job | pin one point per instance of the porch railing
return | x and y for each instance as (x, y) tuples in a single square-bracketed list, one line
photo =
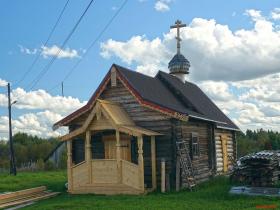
[(130, 174), (106, 172)]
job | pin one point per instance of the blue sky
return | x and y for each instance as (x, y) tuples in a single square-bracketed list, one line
[(25, 26)]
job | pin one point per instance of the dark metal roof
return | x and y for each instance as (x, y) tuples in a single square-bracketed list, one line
[(152, 89), (202, 103), (179, 64), (168, 91)]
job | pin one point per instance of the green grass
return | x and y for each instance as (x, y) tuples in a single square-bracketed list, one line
[(210, 195)]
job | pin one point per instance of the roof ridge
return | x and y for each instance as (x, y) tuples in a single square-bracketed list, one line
[(185, 103), (217, 114), (121, 68)]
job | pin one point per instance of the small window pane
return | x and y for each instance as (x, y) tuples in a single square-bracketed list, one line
[(194, 145)]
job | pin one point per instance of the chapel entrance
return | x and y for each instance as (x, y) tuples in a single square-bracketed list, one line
[(110, 147)]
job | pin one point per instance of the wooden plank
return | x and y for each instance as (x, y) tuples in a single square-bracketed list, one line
[(163, 181), (113, 77), (130, 173), (32, 199), (225, 154), (118, 155), (140, 162), (153, 160), (10, 195), (88, 155), (105, 171), (69, 165), (178, 173), (80, 175)]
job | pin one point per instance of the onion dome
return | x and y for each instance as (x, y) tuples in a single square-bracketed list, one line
[(179, 65)]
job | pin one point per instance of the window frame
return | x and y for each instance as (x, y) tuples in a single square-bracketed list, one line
[(194, 145)]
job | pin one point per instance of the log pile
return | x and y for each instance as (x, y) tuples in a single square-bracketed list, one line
[(25, 197), (258, 169)]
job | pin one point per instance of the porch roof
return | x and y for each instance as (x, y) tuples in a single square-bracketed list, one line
[(117, 117)]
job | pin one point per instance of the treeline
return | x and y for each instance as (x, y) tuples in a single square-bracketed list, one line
[(32, 149), (28, 150), (253, 141)]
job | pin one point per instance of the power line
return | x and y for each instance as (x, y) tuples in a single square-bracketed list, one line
[(90, 47), (95, 40), (47, 67), (45, 43)]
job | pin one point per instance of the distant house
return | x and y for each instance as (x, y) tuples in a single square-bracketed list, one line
[(55, 155), (132, 122)]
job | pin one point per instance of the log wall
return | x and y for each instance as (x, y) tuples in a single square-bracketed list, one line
[(201, 166)]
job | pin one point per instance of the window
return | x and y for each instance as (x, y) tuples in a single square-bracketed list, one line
[(78, 150), (194, 145)]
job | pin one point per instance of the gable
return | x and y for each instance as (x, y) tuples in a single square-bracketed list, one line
[(109, 115)]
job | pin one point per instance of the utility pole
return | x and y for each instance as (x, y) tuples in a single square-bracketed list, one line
[(13, 169), (62, 89)]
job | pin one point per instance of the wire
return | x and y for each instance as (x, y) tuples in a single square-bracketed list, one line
[(47, 67), (95, 40), (45, 43), (90, 47)]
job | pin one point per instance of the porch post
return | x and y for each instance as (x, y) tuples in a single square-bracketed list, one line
[(88, 155), (140, 162), (118, 156), (69, 165), (153, 157)]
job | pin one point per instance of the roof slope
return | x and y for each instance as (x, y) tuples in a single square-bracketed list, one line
[(202, 103), (166, 91)]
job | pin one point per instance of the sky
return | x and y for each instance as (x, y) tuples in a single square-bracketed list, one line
[(233, 48)]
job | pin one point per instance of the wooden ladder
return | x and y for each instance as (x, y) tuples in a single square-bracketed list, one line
[(186, 164)]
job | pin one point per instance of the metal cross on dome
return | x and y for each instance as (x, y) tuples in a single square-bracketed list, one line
[(178, 25)]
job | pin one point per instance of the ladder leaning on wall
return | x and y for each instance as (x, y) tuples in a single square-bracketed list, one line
[(186, 164)]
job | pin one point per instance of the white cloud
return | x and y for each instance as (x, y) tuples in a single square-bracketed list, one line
[(58, 52), (27, 51), (214, 51), (39, 124), (162, 5), (254, 103), (254, 14), (275, 14), (40, 111), (149, 55), (218, 91), (54, 50), (40, 99), (3, 83), (238, 69)]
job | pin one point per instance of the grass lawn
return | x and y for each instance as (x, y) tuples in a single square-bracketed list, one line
[(210, 195)]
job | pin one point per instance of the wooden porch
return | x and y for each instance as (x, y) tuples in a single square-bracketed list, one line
[(115, 173)]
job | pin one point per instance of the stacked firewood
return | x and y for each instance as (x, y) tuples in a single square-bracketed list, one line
[(258, 169)]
